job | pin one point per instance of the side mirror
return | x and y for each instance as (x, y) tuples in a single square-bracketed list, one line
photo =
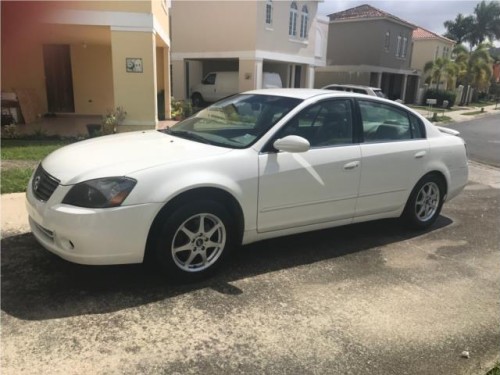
[(292, 143)]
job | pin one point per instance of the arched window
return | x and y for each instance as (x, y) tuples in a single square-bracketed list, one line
[(269, 12), (292, 26), (304, 20)]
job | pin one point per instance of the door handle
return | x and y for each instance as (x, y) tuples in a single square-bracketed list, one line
[(420, 154), (351, 165)]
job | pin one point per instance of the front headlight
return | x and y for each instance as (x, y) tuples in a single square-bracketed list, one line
[(100, 193)]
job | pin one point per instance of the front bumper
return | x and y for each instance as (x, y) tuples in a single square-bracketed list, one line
[(90, 236)]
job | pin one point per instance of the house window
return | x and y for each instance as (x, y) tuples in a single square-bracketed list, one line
[(437, 53), (269, 12), (387, 42), (398, 49), (304, 19), (292, 26), (405, 46)]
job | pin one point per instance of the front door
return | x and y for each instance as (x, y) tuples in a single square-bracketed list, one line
[(58, 78), (317, 186)]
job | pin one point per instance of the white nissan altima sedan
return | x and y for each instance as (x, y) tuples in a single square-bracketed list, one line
[(257, 165)]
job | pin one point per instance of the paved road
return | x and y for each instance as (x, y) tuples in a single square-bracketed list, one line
[(483, 138), (373, 298)]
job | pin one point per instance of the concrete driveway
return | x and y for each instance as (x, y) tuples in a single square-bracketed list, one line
[(372, 298)]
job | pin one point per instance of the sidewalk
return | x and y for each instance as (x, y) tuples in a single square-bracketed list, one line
[(461, 114)]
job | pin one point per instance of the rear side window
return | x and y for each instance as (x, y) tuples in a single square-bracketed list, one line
[(386, 123)]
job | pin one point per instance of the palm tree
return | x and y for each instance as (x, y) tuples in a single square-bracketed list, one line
[(475, 68), (486, 24), (439, 68), (483, 25), (460, 29)]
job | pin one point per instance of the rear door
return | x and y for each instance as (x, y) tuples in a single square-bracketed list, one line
[(394, 153)]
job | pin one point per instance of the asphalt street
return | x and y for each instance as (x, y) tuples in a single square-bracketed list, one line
[(482, 137), (371, 298)]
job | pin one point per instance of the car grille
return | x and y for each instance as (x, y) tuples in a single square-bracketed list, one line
[(43, 184)]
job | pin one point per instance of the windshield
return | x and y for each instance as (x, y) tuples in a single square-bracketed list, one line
[(379, 93), (235, 122)]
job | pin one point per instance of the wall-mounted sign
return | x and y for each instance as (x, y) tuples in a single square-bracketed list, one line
[(134, 65)]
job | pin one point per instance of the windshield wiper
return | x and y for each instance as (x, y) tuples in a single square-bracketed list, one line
[(186, 135)]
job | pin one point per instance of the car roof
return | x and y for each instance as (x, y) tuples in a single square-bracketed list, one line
[(352, 86), (294, 93)]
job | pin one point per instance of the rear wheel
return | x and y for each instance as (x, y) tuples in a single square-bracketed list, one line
[(194, 240), (425, 202)]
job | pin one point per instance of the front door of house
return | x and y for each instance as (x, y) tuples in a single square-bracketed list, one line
[(58, 78)]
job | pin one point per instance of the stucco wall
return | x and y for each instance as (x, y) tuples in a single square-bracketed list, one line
[(213, 26), (275, 38), (363, 43), (92, 78), (354, 78)]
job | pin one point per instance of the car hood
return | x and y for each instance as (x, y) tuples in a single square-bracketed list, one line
[(122, 154)]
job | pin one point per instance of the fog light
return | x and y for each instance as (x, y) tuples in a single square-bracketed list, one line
[(67, 244)]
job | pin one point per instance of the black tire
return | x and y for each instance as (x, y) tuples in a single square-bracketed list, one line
[(425, 202), (187, 252), (196, 100)]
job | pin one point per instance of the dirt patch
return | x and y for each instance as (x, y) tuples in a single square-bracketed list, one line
[(13, 164)]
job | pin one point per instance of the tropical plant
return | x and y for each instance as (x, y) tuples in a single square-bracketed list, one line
[(475, 67), (441, 68)]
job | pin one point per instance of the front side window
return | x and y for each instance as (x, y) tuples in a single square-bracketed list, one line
[(209, 79), (324, 124), (385, 123), (292, 25), (269, 12), (304, 19), (235, 122)]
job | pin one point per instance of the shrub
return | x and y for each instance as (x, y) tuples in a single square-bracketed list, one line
[(112, 119), (440, 96)]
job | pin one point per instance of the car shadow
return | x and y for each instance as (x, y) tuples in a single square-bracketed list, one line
[(37, 285)]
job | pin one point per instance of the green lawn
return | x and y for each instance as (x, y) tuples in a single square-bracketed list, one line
[(17, 149), (15, 178)]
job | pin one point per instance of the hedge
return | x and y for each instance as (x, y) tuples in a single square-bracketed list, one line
[(440, 95)]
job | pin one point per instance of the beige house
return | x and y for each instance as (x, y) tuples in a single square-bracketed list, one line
[(368, 46), (248, 37), (428, 46), (88, 57)]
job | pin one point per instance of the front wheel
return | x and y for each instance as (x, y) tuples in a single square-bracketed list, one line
[(197, 100), (425, 202), (194, 240)]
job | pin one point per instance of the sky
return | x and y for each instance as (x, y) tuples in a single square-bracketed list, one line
[(429, 14)]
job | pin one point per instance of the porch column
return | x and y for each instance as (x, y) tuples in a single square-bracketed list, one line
[(258, 73), (250, 73), (166, 80), (134, 77), (379, 80), (310, 76), (178, 80), (403, 87)]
